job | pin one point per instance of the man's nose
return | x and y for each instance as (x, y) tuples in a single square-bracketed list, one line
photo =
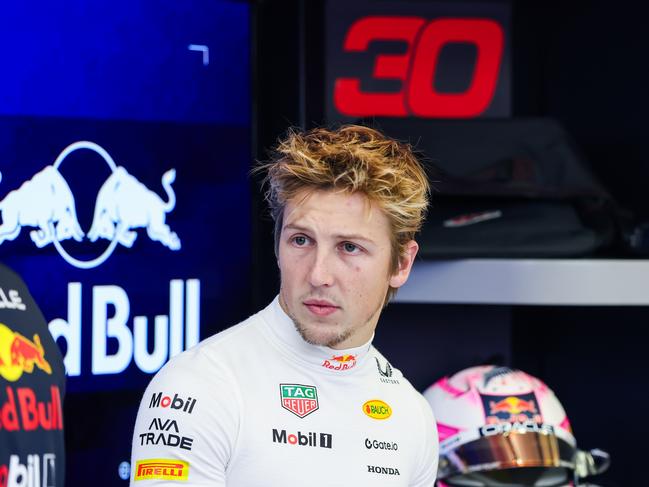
[(321, 273)]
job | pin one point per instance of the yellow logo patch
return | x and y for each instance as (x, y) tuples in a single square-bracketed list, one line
[(161, 469), (377, 409), (19, 354)]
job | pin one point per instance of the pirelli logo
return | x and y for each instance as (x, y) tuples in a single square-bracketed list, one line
[(161, 469)]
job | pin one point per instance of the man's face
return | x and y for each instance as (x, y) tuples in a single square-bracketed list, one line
[(334, 257)]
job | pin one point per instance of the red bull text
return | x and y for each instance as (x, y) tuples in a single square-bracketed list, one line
[(24, 411), (340, 362), (179, 328)]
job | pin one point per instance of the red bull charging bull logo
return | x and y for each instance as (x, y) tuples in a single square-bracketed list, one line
[(511, 409), (19, 354), (340, 362), (46, 204)]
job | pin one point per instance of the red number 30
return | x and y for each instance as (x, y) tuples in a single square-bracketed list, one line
[(416, 67)]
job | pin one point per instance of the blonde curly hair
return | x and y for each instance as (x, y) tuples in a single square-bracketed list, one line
[(352, 158)]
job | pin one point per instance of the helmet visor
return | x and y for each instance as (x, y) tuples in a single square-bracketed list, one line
[(511, 450)]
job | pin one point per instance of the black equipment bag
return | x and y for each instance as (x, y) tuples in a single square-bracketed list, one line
[(506, 188)]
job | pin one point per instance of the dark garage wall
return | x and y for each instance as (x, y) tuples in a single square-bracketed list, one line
[(582, 63)]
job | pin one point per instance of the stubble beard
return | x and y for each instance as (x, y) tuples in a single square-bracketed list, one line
[(308, 335), (331, 340)]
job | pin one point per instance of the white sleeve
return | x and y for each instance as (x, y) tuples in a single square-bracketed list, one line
[(428, 455), (186, 426)]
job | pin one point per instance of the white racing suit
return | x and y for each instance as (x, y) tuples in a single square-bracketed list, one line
[(257, 406)]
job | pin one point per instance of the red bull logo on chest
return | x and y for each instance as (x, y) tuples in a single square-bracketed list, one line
[(340, 362)]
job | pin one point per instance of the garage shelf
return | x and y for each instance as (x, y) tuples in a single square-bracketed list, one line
[(577, 282)]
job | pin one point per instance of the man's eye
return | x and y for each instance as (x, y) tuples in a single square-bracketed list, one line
[(350, 247), (300, 240)]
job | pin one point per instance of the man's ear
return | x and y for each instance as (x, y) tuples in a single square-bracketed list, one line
[(406, 259)]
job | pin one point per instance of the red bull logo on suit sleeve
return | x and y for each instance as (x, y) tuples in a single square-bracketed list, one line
[(19, 354)]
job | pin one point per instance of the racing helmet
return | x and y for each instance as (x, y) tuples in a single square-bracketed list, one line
[(500, 427)]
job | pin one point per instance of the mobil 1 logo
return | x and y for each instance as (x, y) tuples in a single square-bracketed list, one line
[(158, 400), (309, 439)]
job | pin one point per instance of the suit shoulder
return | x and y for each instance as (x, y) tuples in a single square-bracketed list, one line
[(216, 350)]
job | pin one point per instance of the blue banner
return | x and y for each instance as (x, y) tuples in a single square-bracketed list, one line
[(124, 194)]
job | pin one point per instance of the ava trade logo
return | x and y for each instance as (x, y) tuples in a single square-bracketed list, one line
[(167, 433), (299, 399), (46, 203), (19, 354), (340, 362)]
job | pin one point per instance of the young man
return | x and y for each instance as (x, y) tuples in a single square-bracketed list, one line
[(296, 395)]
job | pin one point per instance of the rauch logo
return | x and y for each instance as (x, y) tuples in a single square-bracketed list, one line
[(377, 409)]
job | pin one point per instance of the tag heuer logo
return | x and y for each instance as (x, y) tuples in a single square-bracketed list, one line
[(299, 399)]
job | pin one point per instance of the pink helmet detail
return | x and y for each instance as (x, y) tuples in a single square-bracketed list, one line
[(499, 426), (488, 394)]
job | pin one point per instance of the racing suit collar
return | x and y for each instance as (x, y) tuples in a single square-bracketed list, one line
[(282, 332)]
